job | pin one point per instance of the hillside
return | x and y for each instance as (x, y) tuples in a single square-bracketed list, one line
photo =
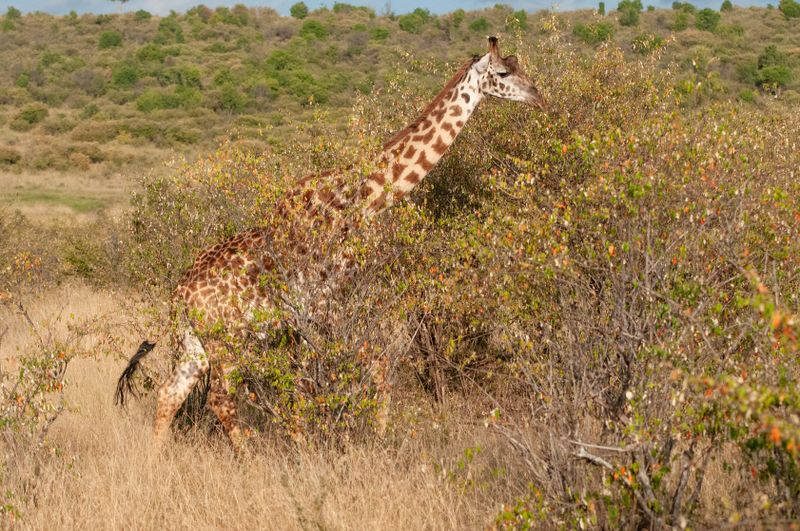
[(107, 97)]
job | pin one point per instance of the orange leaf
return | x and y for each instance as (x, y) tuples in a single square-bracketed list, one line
[(775, 435)]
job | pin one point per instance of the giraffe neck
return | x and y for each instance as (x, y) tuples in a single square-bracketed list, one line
[(412, 153)]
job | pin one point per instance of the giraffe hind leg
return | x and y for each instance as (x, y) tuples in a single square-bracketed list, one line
[(223, 404), (180, 383)]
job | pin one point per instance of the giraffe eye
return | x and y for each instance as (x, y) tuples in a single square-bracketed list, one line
[(503, 74)]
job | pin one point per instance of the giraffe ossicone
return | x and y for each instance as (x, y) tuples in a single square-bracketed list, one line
[(213, 289)]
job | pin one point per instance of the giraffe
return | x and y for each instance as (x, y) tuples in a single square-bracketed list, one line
[(222, 286)]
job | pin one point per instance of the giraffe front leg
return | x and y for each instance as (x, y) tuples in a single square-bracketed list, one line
[(223, 404)]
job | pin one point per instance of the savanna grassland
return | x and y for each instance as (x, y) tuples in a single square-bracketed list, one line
[(590, 313)]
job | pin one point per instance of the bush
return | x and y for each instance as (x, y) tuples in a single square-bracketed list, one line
[(457, 17), (378, 34), (601, 9), (789, 8), (479, 24), (124, 74), (110, 39), (230, 99), (32, 114), (774, 76), (169, 31), (181, 97), (236, 17), (629, 11), (89, 80), (9, 156), (299, 10), (726, 6), (594, 33), (48, 59), (747, 95), (12, 13), (771, 71), (414, 22), (646, 43), (707, 19), (187, 76), (141, 14), (151, 52), (95, 131), (681, 21), (686, 7), (313, 29), (772, 56), (517, 20)]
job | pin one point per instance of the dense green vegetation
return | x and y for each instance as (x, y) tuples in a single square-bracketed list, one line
[(123, 82)]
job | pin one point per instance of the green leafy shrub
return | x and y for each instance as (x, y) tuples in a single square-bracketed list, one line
[(789, 8), (299, 10), (342, 7), (601, 9), (727, 5), (12, 13), (686, 7), (236, 17), (629, 11), (110, 39), (594, 33), (180, 97), (124, 74), (707, 19), (772, 70), (48, 59), (188, 76), (479, 24), (154, 52), (414, 22), (169, 31), (681, 21), (747, 95), (141, 15), (457, 17), (313, 29), (230, 99), (774, 76), (378, 34), (29, 116)]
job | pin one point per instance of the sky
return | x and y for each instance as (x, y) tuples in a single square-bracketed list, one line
[(163, 7)]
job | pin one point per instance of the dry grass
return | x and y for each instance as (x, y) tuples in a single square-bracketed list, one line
[(53, 312), (109, 476)]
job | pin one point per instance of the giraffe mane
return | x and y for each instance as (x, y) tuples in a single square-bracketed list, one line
[(455, 80)]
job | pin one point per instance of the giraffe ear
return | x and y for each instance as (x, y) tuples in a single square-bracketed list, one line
[(493, 48), (482, 64)]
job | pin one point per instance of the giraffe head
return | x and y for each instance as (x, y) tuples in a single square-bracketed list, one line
[(502, 77)]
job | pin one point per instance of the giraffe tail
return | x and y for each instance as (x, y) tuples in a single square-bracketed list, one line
[(125, 383)]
